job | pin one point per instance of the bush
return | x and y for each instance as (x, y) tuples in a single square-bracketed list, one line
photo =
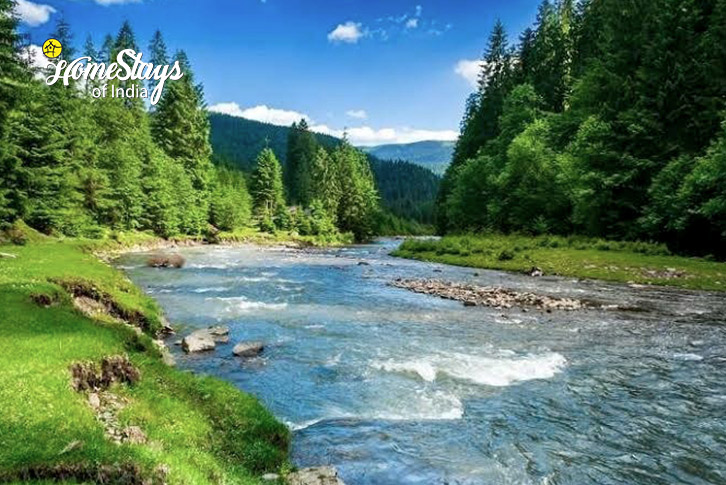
[(505, 255)]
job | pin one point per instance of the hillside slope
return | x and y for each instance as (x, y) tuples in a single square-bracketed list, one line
[(434, 155)]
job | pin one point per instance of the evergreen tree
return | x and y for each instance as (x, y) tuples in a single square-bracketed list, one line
[(358, 206), (267, 190), (302, 148), (12, 77), (63, 35), (181, 128), (158, 56), (106, 52)]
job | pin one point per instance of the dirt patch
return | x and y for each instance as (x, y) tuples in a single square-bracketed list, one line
[(94, 302), (45, 300), (89, 376), (126, 474), (496, 297)]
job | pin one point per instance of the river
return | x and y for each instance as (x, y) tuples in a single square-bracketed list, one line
[(394, 387)]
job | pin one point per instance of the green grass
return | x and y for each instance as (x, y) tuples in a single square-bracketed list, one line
[(634, 262), (202, 429)]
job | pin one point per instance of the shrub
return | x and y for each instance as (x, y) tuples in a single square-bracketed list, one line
[(505, 255)]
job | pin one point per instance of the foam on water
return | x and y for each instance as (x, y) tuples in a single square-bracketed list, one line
[(239, 304), (491, 371)]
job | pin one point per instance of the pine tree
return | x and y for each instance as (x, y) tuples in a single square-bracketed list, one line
[(63, 35), (181, 128), (358, 206), (267, 189), (106, 52), (12, 77), (302, 149), (158, 56)]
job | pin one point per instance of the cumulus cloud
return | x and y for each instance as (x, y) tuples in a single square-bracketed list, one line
[(33, 14), (359, 135), (469, 70), (35, 57), (261, 113), (349, 32), (357, 113), (412, 23), (116, 2), (368, 136)]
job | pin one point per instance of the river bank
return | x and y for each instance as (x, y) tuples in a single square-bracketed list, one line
[(624, 262), (90, 399)]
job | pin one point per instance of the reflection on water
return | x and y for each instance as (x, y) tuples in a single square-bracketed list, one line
[(396, 387)]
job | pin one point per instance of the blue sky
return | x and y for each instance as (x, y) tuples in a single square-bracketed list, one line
[(388, 71)]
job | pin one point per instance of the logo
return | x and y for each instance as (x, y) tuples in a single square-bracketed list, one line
[(52, 48), (129, 66)]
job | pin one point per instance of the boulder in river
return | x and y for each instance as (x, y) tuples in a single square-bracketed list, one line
[(535, 272), (248, 349), (319, 475), (166, 261), (199, 341)]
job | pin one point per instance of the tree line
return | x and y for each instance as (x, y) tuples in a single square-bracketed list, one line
[(606, 119), (79, 166)]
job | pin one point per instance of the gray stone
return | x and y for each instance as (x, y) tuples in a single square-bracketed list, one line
[(320, 475), (198, 342), (248, 349)]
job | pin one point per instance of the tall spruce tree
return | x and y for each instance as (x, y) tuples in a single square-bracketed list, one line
[(181, 128), (157, 55), (268, 192), (301, 152)]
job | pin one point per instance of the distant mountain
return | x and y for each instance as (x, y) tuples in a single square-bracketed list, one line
[(434, 155), (406, 189)]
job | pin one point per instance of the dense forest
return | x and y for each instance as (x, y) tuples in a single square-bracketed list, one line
[(79, 166), (406, 191), (237, 141), (606, 119)]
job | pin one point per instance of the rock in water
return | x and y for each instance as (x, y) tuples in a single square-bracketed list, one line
[(248, 349), (198, 342), (535, 272), (320, 475)]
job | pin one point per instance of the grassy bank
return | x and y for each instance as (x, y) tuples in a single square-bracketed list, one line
[(197, 430), (580, 257)]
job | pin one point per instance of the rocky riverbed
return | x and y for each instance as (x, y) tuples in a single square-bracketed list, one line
[(490, 296)]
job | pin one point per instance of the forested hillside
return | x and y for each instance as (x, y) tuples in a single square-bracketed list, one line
[(237, 141), (406, 190), (606, 119), (434, 155)]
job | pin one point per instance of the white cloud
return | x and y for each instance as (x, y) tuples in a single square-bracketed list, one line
[(357, 113), (35, 57), (412, 23), (348, 32), (261, 113), (359, 135), (419, 9), (368, 136), (33, 14), (116, 2), (469, 70)]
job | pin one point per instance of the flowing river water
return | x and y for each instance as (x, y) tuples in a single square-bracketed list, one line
[(394, 387)]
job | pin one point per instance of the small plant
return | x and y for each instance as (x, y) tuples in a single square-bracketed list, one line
[(505, 255)]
